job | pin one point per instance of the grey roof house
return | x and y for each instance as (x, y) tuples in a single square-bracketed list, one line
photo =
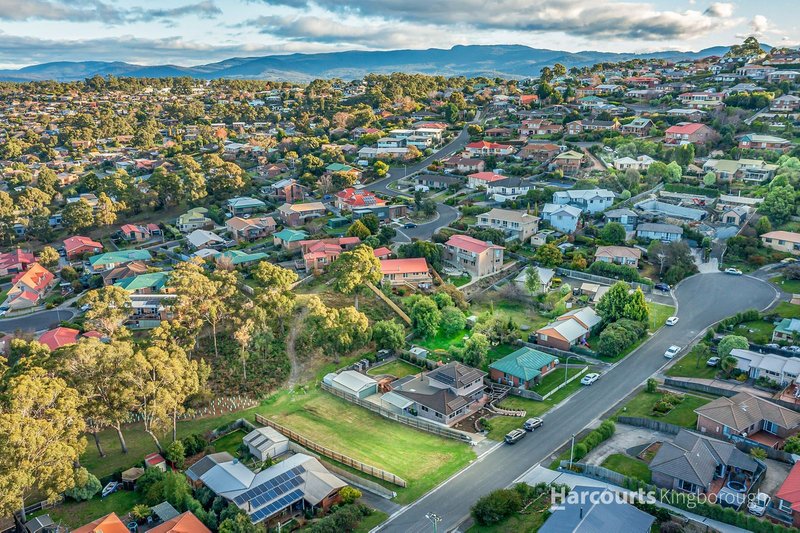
[(585, 511), (659, 232)]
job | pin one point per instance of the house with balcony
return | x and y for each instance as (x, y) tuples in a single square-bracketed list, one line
[(564, 218), (787, 103), (193, 219), (462, 165), (628, 218), (286, 190), (318, 254), (756, 141), (702, 100), (588, 200), (638, 127), (750, 170), (517, 225), (487, 149), (640, 164), (243, 205), (411, 271), (541, 152), (483, 179), (510, 188), (474, 256)]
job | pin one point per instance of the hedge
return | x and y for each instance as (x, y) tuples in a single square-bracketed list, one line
[(622, 272), (603, 432)]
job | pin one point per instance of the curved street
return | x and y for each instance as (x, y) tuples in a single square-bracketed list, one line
[(703, 300), (36, 321)]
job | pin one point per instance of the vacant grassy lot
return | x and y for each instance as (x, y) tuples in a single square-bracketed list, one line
[(659, 313), (396, 368), (420, 458), (523, 314), (787, 310), (75, 514), (682, 414), (689, 366), (459, 281), (757, 331), (791, 286), (628, 466)]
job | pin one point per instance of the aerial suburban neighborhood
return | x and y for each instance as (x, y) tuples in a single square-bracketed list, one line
[(404, 302)]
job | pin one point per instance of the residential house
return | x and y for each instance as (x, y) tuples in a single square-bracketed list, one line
[(238, 258), (58, 337), (28, 288), (289, 239), (498, 132), (109, 260), (596, 509), (735, 215), (137, 233), (640, 164), (751, 170), (576, 127), (250, 229), (486, 149), (286, 190), (569, 329), (660, 232), (299, 214), (412, 271), (620, 255), (15, 261), (755, 141), (546, 276), (242, 205), (564, 218), (786, 330), (437, 181), (627, 217), (201, 238), (522, 368), (786, 502), (266, 442), (384, 212), (183, 523), (461, 164), (518, 225), (508, 189), (296, 485), (754, 71), (689, 133), (193, 219), (694, 115), (701, 465), (483, 179), (745, 417), (474, 256), (782, 370), (787, 103), (539, 127), (670, 210), (351, 198), (782, 241), (568, 162), (702, 100), (149, 310), (273, 170), (589, 200), (150, 283), (540, 152), (109, 523), (353, 383), (319, 253), (638, 127), (445, 394)]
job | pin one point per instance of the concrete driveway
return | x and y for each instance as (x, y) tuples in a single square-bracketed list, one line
[(702, 301)]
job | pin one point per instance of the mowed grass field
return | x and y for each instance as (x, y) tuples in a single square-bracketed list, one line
[(422, 459)]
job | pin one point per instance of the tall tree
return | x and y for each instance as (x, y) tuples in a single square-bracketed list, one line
[(353, 269), (78, 216), (109, 307), (611, 306), (533, 282)]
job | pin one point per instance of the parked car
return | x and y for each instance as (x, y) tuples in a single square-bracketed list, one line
[(514, 436), (712, 361), (773, 346), (532, 423), (662, 286), (788, 260), (759, 504), (672, 351), (733, 271), (671, 321), (588, 379), (409, 225)]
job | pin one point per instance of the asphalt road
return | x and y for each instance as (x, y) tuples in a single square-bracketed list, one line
[(702, 301), (36, 321)]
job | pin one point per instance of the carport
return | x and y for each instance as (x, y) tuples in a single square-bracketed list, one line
[(395, 402)]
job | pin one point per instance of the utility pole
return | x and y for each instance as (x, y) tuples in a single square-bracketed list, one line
[(435, 519), (571, 451)]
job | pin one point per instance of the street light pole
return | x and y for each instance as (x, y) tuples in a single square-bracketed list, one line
[(435, 519), (566, 368), (571, 451)]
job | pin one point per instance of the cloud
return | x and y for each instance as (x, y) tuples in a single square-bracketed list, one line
[(612, 19), (97, 10), (759, 25)]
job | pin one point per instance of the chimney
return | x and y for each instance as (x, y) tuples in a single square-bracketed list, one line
[(581, 512)]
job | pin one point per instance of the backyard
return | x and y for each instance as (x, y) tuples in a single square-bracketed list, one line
[(75, 514), (681, 414), (629, 466), (397, 368), (690, 366)]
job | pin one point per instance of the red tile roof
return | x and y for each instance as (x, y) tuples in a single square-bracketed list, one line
[(790, 489), (14, 258), (183, 523), (486, 144), (487, 176), (77, 242), (404, 266), (109, 523), (685, 128), (58, 337), (470, 244), (357, 198)]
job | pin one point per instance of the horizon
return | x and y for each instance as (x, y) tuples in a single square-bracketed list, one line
[(147, 32)]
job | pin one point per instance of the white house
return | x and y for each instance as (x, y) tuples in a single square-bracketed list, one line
[(784, 370), (564, 218), (589, 200)]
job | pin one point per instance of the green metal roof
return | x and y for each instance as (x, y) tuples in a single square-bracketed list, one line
[(154, 280), (525, 364), (338, 167), (121, 256), (238, 256), (788, 326), (291, 235)]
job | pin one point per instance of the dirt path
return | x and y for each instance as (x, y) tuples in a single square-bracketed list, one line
[(294, 375)]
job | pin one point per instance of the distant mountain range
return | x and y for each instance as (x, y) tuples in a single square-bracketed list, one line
[(509, 61)]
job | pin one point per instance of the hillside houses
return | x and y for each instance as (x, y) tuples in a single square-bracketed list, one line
[(474, 256), (517, 225)]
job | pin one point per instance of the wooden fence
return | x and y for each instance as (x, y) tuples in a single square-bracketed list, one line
[(721, 391), (649, 423), (597, 472), (332, 454), (414, 422)]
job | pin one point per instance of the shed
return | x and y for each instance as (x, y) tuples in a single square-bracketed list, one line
[(164, 511), (154, 460), (266, 442), (40, 524), (130, 476), (419, 351), (353, 382)]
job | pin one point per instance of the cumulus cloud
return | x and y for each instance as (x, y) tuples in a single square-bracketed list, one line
[(97, 10), (594, 18)]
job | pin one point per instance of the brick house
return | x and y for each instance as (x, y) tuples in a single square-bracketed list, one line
[(569, 329), (689, 132), (411, 271), (299, 214), (522, 368), (76, 246)]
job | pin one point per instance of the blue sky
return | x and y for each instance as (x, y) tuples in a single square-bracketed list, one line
[(198, 31)]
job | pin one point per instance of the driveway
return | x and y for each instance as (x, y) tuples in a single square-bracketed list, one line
[(36, 321), (444, 216), (702, 301)]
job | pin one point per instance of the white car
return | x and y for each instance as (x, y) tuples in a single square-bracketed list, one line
[(712, 361), (588, 379), (672, 351), (733, 271), (671, 321), (759, 504)]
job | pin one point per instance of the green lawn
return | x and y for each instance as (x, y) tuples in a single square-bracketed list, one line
[(682, 415), (554, 379), (528, 522), (791, 286), (75, 514), (689, 367), (659, 313), (498, 352), (229, 443), (787, 310), (371, 521), (521, 313), (459, 281), (441, 341), (396, 368), (757, 331), (629, 466)]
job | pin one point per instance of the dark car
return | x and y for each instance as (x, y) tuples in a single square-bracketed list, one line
[(662, 287), (409, 225), (514, 436)]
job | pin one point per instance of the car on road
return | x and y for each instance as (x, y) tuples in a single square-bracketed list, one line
[(671, 321), (662, 287), (588, 379), (514, 436), (672, 351), (788, 260), (758, 506), (712, 361), (409, 225), (85, 307), (532, 423), (773, 346), (733, 271)]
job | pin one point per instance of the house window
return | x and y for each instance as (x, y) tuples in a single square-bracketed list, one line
[(685, 485), (770, 427), (423, 408)]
